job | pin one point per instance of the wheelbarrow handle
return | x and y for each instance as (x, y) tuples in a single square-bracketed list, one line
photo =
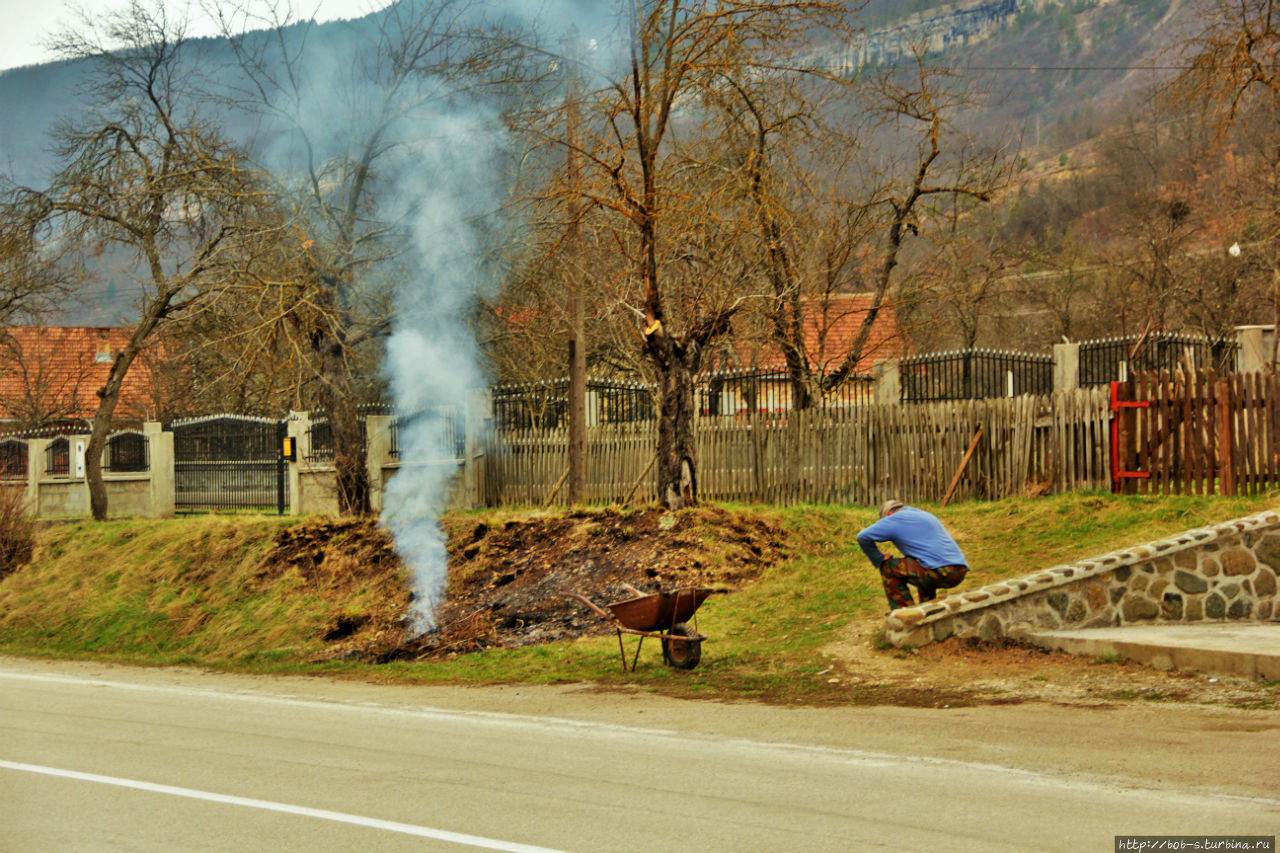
[(603, 613)]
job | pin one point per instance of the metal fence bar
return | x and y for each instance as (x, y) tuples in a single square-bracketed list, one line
[(228, 463), (444, 426), (770, 394), (974, 374), (319, 442), (545, 405), (1117, 359), (13, 458), (127, 452), (57, 457)]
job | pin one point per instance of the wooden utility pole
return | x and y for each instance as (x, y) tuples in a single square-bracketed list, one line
[(573, 308)]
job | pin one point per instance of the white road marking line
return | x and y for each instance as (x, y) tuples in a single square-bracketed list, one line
[(284, 808)]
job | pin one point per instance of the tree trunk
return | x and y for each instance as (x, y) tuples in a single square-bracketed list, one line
[(677, 471), (350, 470), (93, 453), (109, 397)]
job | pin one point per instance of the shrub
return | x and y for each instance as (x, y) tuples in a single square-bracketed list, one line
[(17, 531)]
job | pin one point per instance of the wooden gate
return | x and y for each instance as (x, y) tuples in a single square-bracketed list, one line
[(1195, 433)]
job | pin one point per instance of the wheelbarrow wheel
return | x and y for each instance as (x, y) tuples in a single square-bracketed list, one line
[(681, 653)]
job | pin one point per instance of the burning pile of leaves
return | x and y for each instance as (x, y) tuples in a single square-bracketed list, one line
[(507, 577)]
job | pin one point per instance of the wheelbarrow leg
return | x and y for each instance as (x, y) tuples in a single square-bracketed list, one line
[(635, 659), (622, 651)]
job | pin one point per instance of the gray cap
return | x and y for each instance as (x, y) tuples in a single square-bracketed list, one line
[(889, 506)]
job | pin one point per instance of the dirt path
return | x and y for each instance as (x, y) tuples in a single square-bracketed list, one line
[(1006, 674)]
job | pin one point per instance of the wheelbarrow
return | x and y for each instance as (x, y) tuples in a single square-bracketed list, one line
[(661, 614)]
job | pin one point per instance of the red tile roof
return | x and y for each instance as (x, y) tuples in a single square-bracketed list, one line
[(830, 327), (54, 372)]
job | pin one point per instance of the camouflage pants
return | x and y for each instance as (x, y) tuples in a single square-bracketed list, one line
[(897, 572)]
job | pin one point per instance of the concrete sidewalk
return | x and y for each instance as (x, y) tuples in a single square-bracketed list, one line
[(1246, 649)]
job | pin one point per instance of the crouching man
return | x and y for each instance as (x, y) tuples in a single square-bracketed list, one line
[(931, 559)]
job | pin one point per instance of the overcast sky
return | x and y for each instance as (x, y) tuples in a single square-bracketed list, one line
[(24, 24)]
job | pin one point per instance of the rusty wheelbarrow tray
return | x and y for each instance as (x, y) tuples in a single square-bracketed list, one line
[(661, 614)]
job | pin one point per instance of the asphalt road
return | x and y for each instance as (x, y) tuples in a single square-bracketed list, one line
[(98, 758)]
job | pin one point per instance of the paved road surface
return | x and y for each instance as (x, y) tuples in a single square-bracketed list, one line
[(99, 758)]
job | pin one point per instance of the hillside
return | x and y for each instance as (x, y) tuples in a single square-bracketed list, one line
[(1036, 62), (1047, 80), (1044, 73)]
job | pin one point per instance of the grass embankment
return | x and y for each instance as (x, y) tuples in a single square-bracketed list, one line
[(193, 592)]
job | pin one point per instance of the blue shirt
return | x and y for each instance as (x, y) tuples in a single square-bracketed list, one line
[(915, 533)]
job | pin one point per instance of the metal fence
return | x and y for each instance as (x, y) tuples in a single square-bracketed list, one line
[(770, 394), (545, 405), (229, 463), (1117, 359), (974, 374), (442, 429), (127, 452), (320, 442), (319, 448), (13, 458), (57, 457)]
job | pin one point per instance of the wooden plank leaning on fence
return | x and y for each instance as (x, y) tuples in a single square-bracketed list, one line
[(964, 463)]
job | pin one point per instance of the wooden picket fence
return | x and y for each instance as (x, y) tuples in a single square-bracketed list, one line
[(1028, 444), (1198, 433)]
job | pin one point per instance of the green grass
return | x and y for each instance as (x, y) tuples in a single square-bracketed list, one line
[(187, 592)]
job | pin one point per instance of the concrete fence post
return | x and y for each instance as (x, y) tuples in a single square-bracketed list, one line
[(377, 455), (1254, 354), (164, 497), (35, 468), (1066, 367), (296, 427), (888, 381)]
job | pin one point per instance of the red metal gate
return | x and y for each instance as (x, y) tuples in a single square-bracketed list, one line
[(1195, 433)]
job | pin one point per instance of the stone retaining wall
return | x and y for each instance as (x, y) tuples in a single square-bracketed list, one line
[(1227, 571)]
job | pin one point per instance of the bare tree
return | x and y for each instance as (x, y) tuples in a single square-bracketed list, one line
[(973, 280), (1232, 72), (143, 177), (34, 269), (651, 162), (1060, 286), (343, 127), (811, 226), (901, 174), (1231, 57)]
